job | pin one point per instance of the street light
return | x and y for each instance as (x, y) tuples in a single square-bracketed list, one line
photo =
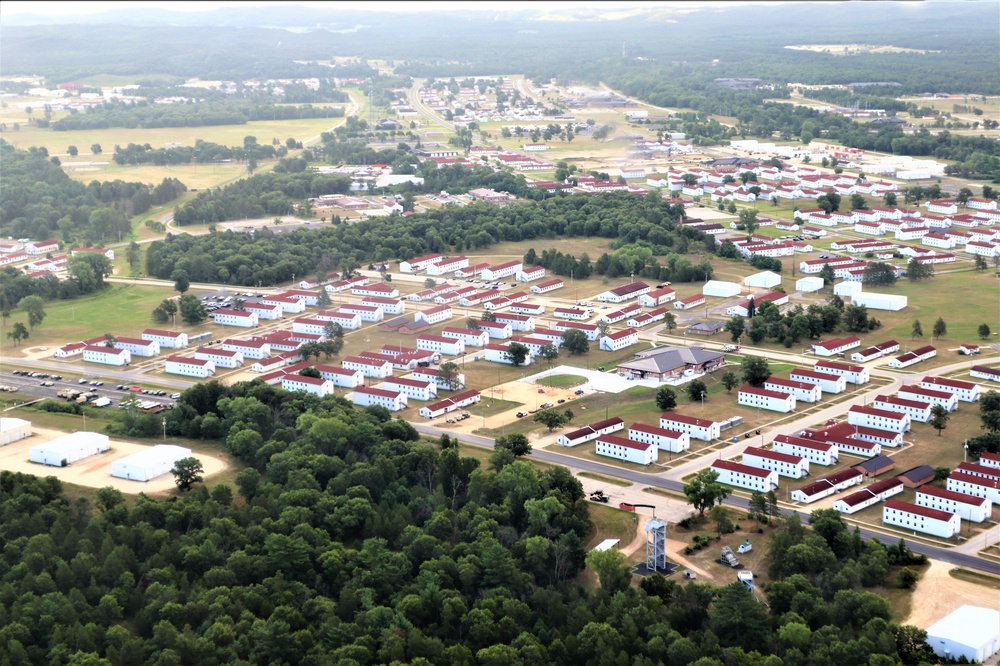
[(164, 428)]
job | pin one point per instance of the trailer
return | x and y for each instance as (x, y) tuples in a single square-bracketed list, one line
[(101, 402)]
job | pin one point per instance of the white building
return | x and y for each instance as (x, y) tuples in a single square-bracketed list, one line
[(264, 311), (391, 400), (821, 453), (451, 404), (315, 385), (418, 264), (13, 430), (828, 485), (590, 330), (809, 284), (349, 321), (501, 271), (548, 285), (873, 301), (745, 476), (366, 312), (921, 519), (590, 432), (341, 376), (499, 354), (702, 429), (530, 274), (971, 632), (656, 297), (720, 289), (434, 315), (518, 322), (828, 382), (918, 411), (946, 399), (67, 449), (220, 357), (138, 347), (416, 389), (106, 355), (878, 418), (496, 330), (191, 367), (853, 374), (255, 349), (241, 318), (969, 507), (624, 292), (149, 464), (369, 367), (785, 464), (835, 346), (391, 306), (441, 345), (689, 302), (764, 280), (574, 314), (804, 391), (664, 439), (619, 339), (964, 391), (469, 336), (970, 484), (449, 265), (288, 304), (166, 339), (377, 290), (626, 449), (775, 401)]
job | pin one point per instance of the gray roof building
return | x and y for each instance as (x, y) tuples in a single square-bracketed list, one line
[(663, 362)]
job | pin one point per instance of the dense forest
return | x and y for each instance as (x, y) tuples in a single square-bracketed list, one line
[(187, 114), (642, 228), (200, 153), (39, 201), (351, 542)]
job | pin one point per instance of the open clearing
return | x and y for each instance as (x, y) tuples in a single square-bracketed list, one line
[(941, 593), (195, 176), (95, 471)]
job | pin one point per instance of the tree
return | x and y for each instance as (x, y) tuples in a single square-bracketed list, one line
[(696, 390), (17, 333), (191, 309), (939, 418), (448, 373), (748, 218), (613, 569), (133, 255), (736, 327), (917, 271), (827, 274), (34, 307), (981, 263), (984, 331), (758, 506), (430, 283), (516, 443), (181, 280), (518, 353), (889, 199), (858, 202), (720, 515), (730, 381), (704, 491), (878, 274), (549, 352), (940, 328), (575, 342), (670, 321), (917, 331), (666, 399), (187, 472), (755, 370), (72, 151), (473, 324), (552, 418), (489, 316), (96, 149)]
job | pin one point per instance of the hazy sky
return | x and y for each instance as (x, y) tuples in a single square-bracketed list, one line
[(10, 7)]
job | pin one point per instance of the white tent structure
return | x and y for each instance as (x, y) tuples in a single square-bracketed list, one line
[(13, 430), (847, 288), (764, 279), (970, 631), (68, 449), (720, 288), (149, 464), (875, 301), (809, 283)]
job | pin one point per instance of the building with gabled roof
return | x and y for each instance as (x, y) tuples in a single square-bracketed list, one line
[(921, 518), (744, 476)]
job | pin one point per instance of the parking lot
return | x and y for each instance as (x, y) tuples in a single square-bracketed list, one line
[(44, 385)]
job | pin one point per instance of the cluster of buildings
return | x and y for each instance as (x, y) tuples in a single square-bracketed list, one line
[(641, 443)]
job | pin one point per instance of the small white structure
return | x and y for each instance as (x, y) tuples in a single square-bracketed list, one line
[(13, 430), (809, 284), (775, 401), (985, 372), (656, 297), (875, 301), (970, 484), (341, 376), (921, 518), (417, 389), (591, 431), (744, 476), (451, 404), (720, 289), (971, 632), (149, 464), (918, 411), (68, 449), (138, 346), (835, 346), (625, 449), (370, 367), (764, 280)]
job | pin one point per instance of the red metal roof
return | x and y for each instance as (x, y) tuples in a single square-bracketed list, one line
[(924, 511), (773, 455), (738, 467)]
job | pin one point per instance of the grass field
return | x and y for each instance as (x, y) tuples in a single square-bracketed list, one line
[(985, 580), (606, 479), (491, 406), (195, 176), (562, 381), (611, 523)]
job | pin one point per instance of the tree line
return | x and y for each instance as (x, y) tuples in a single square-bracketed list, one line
[(200, 153)]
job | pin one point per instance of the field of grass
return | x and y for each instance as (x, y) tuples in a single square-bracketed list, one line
[(562, 381), (606, 479), (610, 523), (195, 176), (985, 580), (491, 406)]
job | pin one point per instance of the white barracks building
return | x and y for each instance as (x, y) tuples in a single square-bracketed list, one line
[(744, 476), (784, 464)]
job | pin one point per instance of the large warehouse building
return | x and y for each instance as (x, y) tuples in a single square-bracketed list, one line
[(68, 449), (971, 632), (147, 465), (13, 430)]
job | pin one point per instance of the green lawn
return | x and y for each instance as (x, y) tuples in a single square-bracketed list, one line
[(606, 479), (611, 523), (490, 406), (562, 381)]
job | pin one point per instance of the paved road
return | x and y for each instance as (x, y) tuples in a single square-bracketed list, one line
[(32, 386), (577, 465), (132, 376)]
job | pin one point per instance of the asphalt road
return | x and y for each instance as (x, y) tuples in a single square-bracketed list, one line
[(32, 386), (578, 464), (108, 373)]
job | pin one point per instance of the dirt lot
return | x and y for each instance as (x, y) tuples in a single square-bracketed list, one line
[(940, 594), (94, 472)]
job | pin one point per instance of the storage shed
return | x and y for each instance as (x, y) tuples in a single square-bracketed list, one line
[(808, 284), (764, 279), (13, 430), (875, 301), (721, 289), (147, 465), (847, 288), (970, 631), (68, 449)]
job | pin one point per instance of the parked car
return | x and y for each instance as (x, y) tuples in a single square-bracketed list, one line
[(578, 392)]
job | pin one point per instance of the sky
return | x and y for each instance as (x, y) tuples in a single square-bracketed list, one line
[(55, 8)]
